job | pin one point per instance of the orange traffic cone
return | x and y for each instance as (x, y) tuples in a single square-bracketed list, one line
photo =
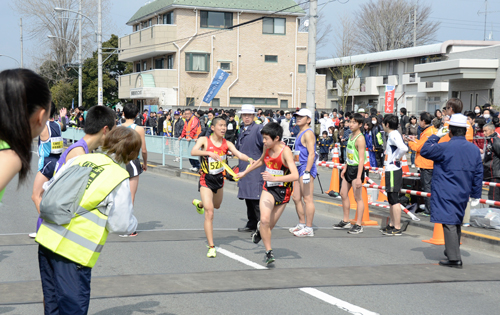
[(404, 165), (381, 196), (437, 235), (367, 158), (366, 213), (334, 181)]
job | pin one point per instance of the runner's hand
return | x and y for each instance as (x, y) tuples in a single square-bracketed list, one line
[(306, 178), (357, 183), (214, 156), (62, 112), (266, 176), (240, 175), (144, 167)]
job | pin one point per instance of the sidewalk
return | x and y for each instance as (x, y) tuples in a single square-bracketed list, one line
[(478, 238)]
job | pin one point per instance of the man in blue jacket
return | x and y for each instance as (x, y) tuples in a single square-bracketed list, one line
[(458, 175)]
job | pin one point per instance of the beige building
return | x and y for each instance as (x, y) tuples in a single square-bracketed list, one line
[(178, 45)]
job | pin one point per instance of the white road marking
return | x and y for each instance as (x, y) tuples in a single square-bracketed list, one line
[(343, 305), (239, 258)]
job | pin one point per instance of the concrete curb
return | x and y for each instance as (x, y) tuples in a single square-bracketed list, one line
[(328, 205)]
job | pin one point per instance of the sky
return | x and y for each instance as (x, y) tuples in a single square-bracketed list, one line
[(459, 21)]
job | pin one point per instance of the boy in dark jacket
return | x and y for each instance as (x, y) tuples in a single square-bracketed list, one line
[(325, 145)]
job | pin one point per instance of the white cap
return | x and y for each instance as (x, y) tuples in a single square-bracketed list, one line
[(303, 112), (361, 110), (458, 120), (247, 109)]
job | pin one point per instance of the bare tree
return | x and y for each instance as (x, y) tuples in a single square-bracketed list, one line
[(324, 29), (388, 24), (42, 20), (345, 37)]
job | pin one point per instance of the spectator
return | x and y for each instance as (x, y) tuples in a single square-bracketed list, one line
[(426, 166), (491, 163), (285, 124), (325, 145), (167, 125), (161, 119), (344, 132), (334, 132), (479, 133), (412, 129), (368, 126), (403, 121), (153, 123), (191, 131), (458, 175), (325, 122), (208, 130), (455, 106), (231, 129), (378, 141), (487, 115), (250, 142), (477, 110), (437, 122)]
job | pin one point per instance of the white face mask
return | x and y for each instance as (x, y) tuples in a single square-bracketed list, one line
[(374, 122), (477, 111), (486, 116)]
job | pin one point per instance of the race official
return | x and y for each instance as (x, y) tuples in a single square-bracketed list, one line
[(458, 176)]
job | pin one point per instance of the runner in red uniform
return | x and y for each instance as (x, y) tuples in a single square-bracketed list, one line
[(278, 183), (213, 150)]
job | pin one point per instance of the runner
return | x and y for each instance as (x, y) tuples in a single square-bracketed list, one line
[(353, 175), (396, 149), (24, 110), (50, 148), (305, 151), (134, 167), (278, 184), (213, 150), (68, 251)]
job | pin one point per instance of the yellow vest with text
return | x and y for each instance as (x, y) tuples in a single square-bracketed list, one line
[(82, 239)]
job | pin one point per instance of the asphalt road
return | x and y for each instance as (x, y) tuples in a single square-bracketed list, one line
[(164, 270)]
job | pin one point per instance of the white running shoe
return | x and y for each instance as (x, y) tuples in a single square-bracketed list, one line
[(296, 228), (32, 235), (304, 232)]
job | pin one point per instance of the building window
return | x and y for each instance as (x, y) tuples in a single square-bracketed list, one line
[(271, 58), (168, 18), (226, 66), (302, 68), (150, 22), (197, 62), (303, 105), (211, 19), (274, 26), (159, 63), (170, 61), (373, 71), (138, 67), (253, 101), (189, 101), (144, 66), (284, 104), (216, 102)]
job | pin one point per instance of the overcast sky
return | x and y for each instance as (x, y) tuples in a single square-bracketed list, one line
[(459, 21)]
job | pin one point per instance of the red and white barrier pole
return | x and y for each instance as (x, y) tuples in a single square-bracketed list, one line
[(491, 184)]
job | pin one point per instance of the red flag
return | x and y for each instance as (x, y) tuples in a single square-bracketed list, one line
[(390, 91)]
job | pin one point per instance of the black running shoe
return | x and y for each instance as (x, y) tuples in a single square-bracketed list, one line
[(387, 228), (256, 237), (269, 257), (355, 229), (342, 225), (397, 231)]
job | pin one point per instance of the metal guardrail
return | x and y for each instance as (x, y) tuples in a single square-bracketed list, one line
[(165, 146)]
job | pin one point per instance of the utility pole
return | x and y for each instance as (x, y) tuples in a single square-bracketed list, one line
[(311, 59), (21, 25), (99, 54), (80, 98)]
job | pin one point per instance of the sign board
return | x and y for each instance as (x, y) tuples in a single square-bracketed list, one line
[(218, 81), (390, 91)]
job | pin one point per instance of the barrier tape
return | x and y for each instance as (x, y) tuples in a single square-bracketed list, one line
[(379, 205)]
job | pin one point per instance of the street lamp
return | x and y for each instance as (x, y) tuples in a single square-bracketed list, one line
[(99, 42), (80, 98), (10, 58)]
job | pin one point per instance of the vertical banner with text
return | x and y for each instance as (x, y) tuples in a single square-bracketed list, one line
[(390, 90), (218, 81)]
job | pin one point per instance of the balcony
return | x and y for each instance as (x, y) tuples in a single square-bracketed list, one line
[(153, 39), (361, 86), (410, 78), (146, 84), (426, 87), (330, 85)]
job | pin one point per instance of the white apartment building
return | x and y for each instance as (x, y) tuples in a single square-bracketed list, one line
[(425, 77)]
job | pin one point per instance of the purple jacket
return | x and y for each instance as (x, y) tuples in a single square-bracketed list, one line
[(250, 143)]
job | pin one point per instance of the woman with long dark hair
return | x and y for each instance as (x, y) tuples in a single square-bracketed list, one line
[(24, 109)]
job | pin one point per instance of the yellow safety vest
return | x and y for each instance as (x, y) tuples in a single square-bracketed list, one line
[(81, 240)]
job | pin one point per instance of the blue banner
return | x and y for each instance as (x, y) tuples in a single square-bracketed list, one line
[(73, 104), (219, 79)]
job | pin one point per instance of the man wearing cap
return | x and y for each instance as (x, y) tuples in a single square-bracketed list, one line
[(250, 187), (458, 175), (305, 151)]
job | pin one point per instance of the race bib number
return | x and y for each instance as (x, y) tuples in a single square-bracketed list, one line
[(275, 173), (56, 145), (230, 127), (216, 167)]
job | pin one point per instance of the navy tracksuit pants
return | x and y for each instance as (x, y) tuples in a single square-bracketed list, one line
[(65, 284)]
